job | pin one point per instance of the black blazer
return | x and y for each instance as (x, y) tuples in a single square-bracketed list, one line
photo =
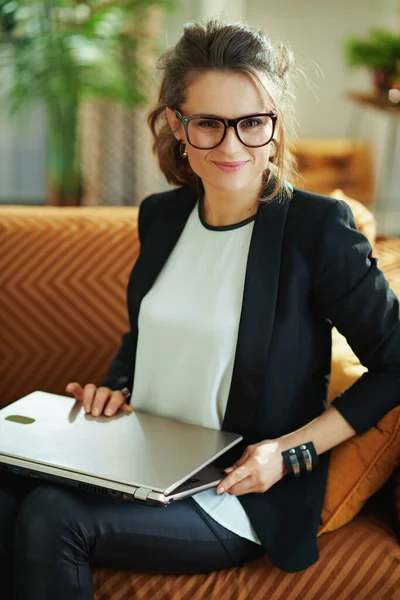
[(308, 269)]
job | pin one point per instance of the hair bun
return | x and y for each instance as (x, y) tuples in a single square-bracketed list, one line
[(284, 59)]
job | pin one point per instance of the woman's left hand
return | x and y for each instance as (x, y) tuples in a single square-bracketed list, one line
[(260, 466)]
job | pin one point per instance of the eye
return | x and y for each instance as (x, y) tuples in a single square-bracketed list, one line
[(251, 123), (208, 123)]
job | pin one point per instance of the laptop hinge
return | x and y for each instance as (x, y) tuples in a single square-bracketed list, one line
[(141, 494)]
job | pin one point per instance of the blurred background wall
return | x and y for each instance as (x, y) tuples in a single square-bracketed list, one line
[(314, 30), (22, 150)]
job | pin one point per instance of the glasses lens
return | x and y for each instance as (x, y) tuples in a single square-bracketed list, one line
[(256, 131), (205, 133)]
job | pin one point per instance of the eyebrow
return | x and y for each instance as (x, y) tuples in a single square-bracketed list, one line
[(213, 116)]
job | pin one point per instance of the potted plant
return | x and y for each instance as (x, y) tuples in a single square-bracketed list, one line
[(379, 51), (66, 52)]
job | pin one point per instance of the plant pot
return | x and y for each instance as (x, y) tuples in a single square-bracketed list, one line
[(57, 197), (382, 81)]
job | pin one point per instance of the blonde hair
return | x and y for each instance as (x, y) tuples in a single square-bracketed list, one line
[(217, 46)]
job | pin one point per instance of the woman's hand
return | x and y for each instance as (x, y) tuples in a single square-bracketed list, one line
[(98, 400), (257, 470)]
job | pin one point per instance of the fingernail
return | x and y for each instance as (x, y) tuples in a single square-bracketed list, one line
[(96, 412), (108, 412), (220, 490), (228, 469)]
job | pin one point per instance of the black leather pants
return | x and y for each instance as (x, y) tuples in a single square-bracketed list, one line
[(50, 536)]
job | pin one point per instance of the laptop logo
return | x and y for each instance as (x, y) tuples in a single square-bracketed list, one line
[(20, 419)]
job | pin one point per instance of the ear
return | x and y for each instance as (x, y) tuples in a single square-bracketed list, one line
[(174, 123), (273, 149)]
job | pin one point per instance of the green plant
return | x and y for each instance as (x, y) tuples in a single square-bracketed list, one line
[(63, 53), (380, 51)]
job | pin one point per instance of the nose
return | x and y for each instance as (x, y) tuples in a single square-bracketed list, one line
[(231, 142)]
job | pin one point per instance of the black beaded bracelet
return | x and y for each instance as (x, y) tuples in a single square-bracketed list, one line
[(300, 459)]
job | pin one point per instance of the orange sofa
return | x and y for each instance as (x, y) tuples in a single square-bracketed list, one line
[(63, 276)]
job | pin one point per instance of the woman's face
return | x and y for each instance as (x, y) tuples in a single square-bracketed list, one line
[(229, 95)]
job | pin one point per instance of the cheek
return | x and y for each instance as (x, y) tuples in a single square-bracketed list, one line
[(198, 161), (261, 158)]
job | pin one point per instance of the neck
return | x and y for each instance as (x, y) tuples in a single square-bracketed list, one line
[(221, 207)]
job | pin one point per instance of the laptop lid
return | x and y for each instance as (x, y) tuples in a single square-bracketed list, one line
[(135, 448)]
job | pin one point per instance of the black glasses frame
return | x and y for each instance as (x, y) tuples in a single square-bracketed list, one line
[(227, 123)]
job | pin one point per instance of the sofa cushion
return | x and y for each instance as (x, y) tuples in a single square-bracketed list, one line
[(364, 219), (360, 560)]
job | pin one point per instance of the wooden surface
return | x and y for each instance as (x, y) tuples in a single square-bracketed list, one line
[(370, 100), (325, 164)]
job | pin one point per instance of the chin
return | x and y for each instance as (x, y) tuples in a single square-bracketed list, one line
[(232, 183)]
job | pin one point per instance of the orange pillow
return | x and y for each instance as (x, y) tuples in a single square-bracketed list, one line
[(362, 464), (364, 219)]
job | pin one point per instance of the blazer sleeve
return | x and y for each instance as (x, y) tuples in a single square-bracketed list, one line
[(351, 292), (120, 372)]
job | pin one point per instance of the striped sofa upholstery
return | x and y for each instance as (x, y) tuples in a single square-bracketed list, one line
[(360, 561), (63, 275)]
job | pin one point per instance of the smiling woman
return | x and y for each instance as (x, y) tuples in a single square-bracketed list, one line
[(236, 143), (239, 282), (222, 121)]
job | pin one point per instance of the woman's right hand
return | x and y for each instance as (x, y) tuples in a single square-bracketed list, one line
[(98, 400)]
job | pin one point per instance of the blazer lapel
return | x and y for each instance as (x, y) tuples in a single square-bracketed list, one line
[(257, 317), (259, 298)]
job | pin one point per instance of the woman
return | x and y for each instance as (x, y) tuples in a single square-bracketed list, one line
[(231, 302)]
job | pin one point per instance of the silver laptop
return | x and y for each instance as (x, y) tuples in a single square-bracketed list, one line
[(134, 456)]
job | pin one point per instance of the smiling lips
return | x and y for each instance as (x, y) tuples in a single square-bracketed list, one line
[(230, 166)]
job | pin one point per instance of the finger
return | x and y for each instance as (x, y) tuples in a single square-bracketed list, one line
[(239, 462), (127, 408), (245, 456), (116, 400), (245, 486), (233, 478), (100, 399), (89, 392), (75, 389)]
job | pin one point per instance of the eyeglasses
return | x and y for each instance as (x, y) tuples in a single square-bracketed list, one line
[(206, 132)]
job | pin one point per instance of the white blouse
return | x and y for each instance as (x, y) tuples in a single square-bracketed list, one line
[(188, 327)]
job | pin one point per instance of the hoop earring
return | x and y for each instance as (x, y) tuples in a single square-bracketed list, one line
[(183, 152)]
